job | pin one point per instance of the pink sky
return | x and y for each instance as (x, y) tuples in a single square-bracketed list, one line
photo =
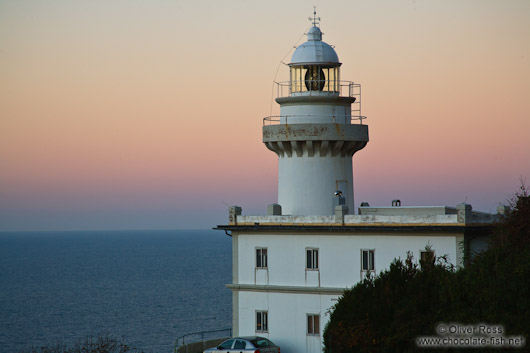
[(147, 114)]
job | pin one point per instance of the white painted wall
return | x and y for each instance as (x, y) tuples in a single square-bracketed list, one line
[(315, 113), (306, 185), (287, 318), (339, 267), (339, 256)]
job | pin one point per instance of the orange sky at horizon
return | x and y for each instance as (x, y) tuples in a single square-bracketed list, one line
[(147, 115)]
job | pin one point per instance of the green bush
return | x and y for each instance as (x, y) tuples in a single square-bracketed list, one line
[(387, 313)]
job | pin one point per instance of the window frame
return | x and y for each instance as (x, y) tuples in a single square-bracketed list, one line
[(262, 319), (311, 259), (370, 260), (313, 325), (263, 258)]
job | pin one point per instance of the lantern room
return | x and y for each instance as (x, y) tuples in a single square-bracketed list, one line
[(314, 67)]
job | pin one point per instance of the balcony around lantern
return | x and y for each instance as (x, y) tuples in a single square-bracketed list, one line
[(336, 119), (336, 90), (319, 88)]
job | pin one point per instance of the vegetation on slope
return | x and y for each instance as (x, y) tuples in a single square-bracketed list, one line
[(103, 343)]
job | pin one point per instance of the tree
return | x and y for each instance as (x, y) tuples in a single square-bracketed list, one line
[(387, 313)]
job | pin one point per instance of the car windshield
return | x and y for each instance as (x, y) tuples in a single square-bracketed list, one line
[(262, 342)]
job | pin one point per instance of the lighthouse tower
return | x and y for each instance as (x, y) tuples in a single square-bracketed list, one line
[(290, 266), (316, 134)]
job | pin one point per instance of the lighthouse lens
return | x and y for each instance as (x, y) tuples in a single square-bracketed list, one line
[(315, 79)]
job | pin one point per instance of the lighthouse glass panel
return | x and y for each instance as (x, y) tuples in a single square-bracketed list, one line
[(314, 78)]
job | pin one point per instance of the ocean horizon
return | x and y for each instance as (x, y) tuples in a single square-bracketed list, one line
[(148, 286)]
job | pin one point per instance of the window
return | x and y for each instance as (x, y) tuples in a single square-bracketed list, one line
[(367, 260), (240, 344), (262, 342), (311, 259), (226, 345), (261, 257), (313, 324), (262, 321), (427, 256)]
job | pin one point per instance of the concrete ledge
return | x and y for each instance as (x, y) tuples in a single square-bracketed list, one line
[(315, 132), (316, 99), (285, 289), (348, 229)]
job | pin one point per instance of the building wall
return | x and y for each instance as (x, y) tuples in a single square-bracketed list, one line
[(287, 315), (339, 256), (322, 175), (339, 268)]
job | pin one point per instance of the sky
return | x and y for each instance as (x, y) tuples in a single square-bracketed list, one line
[(129, 114)]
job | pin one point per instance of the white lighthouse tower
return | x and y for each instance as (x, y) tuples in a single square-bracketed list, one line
[(314, 137)]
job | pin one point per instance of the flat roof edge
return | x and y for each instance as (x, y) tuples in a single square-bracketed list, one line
[(456, 227)]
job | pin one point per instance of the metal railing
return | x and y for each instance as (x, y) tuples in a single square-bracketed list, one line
[(284, 119), (194, 337), (332, 88)]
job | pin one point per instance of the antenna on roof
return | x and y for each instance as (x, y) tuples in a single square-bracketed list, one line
[(314, 19)]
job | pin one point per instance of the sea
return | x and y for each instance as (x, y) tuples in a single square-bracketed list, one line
[(145, 287)]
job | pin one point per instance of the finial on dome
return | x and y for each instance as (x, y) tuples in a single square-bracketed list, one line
[(314, 19)]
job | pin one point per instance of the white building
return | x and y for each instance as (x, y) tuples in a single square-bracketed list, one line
[(291, 265)]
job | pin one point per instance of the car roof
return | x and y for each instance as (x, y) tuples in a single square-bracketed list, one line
[(251, 338)]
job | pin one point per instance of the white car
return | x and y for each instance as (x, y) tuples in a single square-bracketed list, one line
[(250, 344)]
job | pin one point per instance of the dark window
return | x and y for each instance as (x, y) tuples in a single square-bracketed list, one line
[(368, 260), (226, 344), (261, 258), (311, 259), (313, 324), (262, 342), (262, 321), (427, 256), (240, 344)]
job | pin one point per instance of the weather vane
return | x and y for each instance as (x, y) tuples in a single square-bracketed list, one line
[(314, 19)]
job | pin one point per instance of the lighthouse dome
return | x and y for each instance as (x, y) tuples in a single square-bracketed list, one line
[(315, 51)]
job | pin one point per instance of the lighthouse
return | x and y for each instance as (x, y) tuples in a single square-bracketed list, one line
[(316, 133), (290, 266)]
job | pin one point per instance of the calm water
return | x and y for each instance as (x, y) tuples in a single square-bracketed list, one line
[(146, 286)]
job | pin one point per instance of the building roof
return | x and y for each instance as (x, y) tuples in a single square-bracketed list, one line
[(372, 219)]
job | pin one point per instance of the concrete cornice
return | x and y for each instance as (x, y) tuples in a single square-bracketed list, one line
[(285, 289), (318, 139), (315, 132), (346, 228)]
